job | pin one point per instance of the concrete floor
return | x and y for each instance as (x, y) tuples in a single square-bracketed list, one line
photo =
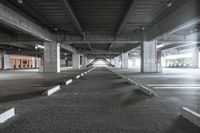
[(100, 102), (180, 86), (28, 83)]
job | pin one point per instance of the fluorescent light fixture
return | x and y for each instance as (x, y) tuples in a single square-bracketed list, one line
[(160, 46), (39, 46), (169, 4)]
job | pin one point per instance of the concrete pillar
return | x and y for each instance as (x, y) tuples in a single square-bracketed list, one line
[(195, 58), (116, 62), (149, 56), (1, 59), (51, 57), (6, 60), (124, 60), (84, 61), (76, 60), (33, 62)]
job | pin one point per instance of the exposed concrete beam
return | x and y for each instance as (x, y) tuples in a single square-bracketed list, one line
[(73, 16), (20, 42), (183, 14), (101, 56), (98, 51), (179, 45), (173, 42), (129, 47), (128, 13), (90, 47), (17, 45), (110, 46), (99, 41), (25, 52), (12, 19), (68, 47)]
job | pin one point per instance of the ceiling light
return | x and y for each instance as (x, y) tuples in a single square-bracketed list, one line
[(160, 46), (36, 47), (20, 1), (169, 4), (39, 46)]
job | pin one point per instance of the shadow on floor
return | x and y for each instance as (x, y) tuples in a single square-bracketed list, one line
[(21, 96), (182, 125), (127, 96)]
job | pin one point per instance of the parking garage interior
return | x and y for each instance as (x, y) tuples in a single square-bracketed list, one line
[(99, 66)]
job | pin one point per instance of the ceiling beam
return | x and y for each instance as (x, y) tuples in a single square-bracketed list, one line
[(100, 42), (182, 15), (126, 17), (173, 42), (178, 45), (68, 47), (90, 47), (73, 16), (16, 21), (129, 47), (110, 46)]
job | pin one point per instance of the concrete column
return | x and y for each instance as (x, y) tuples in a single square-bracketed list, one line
[(195, 58), (149, 56), (51, 57), (76, 60), (33, 62), (116, 62), (1, 59), (124, 60), (84, 61), (6, 61)]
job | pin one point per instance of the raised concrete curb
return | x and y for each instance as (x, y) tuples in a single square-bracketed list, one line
[(7, 115), (52, 90), (78, 76), (147, 91), (82, 74), (144, 89), (68, 81), (191, 116)]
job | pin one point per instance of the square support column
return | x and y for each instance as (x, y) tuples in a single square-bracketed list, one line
[(84, 61), (116, 62), (76, 60), (149, 56), (124, 60), (195, 58), (51, 57), (6, 60)]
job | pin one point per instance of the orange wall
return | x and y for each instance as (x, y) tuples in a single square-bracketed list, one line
[(19, 61)]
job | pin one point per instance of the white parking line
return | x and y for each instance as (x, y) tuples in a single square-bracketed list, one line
[(167, 85), (68, 81), (7, 115), (178, 87), (52, 90)]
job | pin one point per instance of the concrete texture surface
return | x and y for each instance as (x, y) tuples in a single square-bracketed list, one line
[(180, 88), (25, 84), (100, 102)]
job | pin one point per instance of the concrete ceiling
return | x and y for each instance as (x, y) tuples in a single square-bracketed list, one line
[(106, 21)]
